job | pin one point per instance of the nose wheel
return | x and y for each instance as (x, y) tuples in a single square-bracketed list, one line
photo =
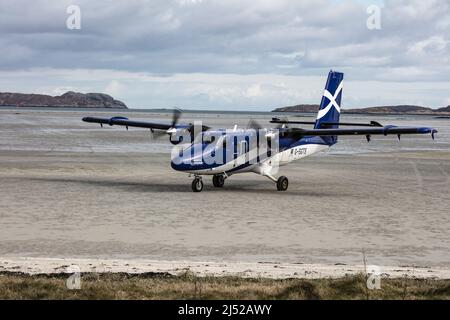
[(197, 184)]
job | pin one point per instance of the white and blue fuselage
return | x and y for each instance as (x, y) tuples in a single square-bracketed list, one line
[(245, 150)]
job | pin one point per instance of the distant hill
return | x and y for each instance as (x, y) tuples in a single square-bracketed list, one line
[(401, 109), (445, 109), (306, 108), (69, 99)]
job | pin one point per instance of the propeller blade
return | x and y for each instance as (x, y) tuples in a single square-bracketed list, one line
[(192, 130), (156, 134), (281, 123), (252, 124), (176, 116), (433, 133)]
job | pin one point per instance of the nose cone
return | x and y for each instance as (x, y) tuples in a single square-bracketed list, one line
[(189, 159), (179, 163), (177, 166)]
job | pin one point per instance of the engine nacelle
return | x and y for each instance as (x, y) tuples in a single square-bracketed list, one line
[(174, 141), (177, 136)]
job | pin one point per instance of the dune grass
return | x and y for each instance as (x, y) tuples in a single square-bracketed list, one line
[(188, 286)]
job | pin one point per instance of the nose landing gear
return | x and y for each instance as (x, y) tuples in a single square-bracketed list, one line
[(197, 184)]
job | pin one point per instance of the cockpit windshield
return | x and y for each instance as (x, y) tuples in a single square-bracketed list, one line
[(206, 138)]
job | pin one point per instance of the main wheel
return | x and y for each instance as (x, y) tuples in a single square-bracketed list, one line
[(197, 185), (282, 183), (218, 180)]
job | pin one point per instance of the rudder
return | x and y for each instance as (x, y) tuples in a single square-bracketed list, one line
[(330, 106)]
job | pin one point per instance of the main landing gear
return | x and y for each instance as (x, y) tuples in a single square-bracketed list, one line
[(218, 180), (282, 183)]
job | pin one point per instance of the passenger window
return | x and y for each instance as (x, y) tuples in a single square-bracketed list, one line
[(243, 147)]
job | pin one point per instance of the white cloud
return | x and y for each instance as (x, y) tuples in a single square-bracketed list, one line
[(114, 88), (253, 91), (434, 45), (124, 44)]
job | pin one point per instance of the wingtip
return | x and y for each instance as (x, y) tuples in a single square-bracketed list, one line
[(433, 133)]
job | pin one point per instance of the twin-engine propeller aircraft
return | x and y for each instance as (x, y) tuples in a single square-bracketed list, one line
[(200, 150)]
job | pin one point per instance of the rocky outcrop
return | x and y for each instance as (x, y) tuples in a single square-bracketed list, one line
[(306, 108), (401, 109), (445, 109), (69, 99)]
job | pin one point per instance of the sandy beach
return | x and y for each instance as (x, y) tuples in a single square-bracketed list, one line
[(74, 191), (49, 266)]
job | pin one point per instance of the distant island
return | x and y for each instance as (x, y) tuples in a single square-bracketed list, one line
[(392, 110), (69, 99)]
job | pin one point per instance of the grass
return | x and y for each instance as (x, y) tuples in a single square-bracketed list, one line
[(188, 286)]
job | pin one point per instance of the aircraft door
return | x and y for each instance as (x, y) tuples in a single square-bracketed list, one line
[(242, 152), (235, 148)]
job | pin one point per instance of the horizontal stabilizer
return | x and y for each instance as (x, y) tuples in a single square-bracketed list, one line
[(325, 124)]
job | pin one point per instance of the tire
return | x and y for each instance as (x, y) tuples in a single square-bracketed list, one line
[(218, 181), (197, 185), (282, 183)]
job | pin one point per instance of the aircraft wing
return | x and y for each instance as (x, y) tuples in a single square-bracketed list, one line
[(386, 130), (170, 129), (122, 121)]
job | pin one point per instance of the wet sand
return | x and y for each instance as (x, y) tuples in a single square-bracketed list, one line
[(111, 204)]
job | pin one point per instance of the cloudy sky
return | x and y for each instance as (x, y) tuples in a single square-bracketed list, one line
[(228, 54)]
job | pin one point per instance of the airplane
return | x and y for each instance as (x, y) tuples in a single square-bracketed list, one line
[(201, 151)]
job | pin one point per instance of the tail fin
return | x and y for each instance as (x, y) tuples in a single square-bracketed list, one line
[(330, 106)]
